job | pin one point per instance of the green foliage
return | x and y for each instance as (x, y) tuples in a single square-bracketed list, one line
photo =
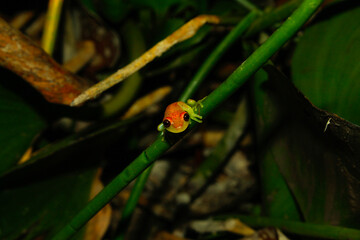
[(19, 125), (213, 100), (326, 64), (319, 167), (41, 206), (277, 198), (306, 173), (41, 195)]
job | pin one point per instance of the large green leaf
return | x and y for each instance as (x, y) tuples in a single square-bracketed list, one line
[(320, 165), (326, 64), (19, 124), (41, 207), (277, 199)]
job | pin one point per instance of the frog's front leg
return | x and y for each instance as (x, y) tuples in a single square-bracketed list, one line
[(196, 117), (196, 105), (161, 129)]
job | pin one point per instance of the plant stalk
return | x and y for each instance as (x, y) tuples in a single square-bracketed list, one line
[(236, 80)]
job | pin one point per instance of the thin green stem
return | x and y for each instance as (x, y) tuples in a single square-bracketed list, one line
[(269, 18), (261, 55), (236, 80), (130, 205), (144, 160), (301, 228), (248, 5), (133, 200), (191, 88), (209, 166), (210, 61)]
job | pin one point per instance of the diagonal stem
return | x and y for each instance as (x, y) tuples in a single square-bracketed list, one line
[(236, 80)]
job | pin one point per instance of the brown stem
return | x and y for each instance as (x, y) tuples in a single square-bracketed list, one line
[(22, 56)]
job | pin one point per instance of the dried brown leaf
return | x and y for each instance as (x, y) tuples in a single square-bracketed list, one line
[(185, 32), (167, 236), (21, 55), (233, 225)]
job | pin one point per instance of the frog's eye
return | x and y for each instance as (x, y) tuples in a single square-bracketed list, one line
[(186, 117), (166, 123)]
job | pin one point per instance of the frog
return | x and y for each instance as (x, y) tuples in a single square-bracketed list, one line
[(178, 116)]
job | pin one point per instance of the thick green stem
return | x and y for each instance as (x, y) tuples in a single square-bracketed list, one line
[(114, 187), (247, 68), (261, 55), (132, 201), (216, 55), (191, 88)]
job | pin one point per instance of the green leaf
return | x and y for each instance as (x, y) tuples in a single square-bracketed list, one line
[(326, 64), (277, 198), (41, 207), (19, 124), (320, 167), (96, 138)]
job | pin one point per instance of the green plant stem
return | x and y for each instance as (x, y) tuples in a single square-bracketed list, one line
[(114, 187), (130, 205), (301, 228), (269, 18), (133, 200), (206, 67), (261, 55), (277, 199), (220, 153), (248, 5), (191, 88), (245, 70)]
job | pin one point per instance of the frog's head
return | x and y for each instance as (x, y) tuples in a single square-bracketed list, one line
[(176, 118), (176, 122)]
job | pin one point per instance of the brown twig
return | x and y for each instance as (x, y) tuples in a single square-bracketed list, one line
[(185, 32), (19, 54)]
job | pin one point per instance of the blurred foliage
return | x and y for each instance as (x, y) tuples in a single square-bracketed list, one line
[(41, 207)]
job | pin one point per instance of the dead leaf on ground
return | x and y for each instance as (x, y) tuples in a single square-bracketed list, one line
[(147, 101), (232, 225), (167, 236)]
